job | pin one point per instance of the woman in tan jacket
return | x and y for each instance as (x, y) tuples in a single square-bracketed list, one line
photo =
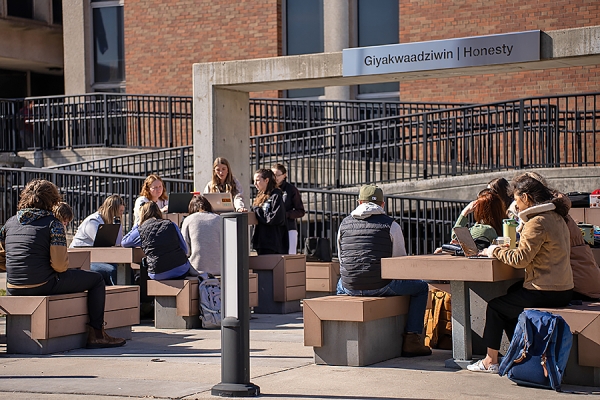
[(543, 252)]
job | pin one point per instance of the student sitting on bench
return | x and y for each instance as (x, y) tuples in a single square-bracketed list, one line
[(37, 260), (161, 241)]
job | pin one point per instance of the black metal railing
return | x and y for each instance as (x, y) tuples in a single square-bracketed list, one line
[(176, 162), (84, 191), (426, 223), (97, 119), (551, 131), (277, 115)]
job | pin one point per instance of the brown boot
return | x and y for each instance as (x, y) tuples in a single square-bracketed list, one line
[(413, 346), (99, 339)]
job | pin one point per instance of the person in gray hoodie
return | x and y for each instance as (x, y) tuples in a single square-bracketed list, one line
[(366, 236)]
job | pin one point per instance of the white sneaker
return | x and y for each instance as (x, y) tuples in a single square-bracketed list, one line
[(479, 367)]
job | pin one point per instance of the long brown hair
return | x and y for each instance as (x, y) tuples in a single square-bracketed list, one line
[(271, 184), (501, 187), (41, 194), (538, 192), (229, 185), (490, 210), (110, 208), (149, 210), (146, 187), (199, 203)]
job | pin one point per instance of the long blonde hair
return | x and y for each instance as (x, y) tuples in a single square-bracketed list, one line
[(229, 185), (111, 208)]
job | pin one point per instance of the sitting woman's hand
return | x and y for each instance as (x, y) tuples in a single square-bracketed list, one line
[(469, 208), (242, 209), (438, 250), (489, 251), (164, 209)]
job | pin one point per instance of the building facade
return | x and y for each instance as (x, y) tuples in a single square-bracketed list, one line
[(149, 46)]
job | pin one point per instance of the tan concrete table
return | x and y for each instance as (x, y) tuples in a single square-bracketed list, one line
[(126, 257), (460, 271)]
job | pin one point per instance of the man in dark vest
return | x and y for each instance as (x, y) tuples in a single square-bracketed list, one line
[(366, 236)]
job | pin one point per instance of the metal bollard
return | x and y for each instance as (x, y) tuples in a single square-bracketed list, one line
[(235, 326)]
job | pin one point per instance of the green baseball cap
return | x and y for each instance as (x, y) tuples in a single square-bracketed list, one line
[(370, 193)]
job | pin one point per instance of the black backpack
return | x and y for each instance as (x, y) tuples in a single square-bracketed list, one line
[(317, 249)]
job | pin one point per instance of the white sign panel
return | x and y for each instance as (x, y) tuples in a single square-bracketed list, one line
[(443, 54)]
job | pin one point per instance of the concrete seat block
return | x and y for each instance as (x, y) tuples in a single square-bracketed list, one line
[(355, 331)]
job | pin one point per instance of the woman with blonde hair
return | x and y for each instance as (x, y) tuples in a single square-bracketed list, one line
[(37, 261), (162, 243), (271, 233), (223, 181), (153, 189), (111, 210)]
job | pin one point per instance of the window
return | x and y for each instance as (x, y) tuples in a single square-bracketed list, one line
[(377, 25), (57, 12), (304, 35), (109, 51), (19, 8)]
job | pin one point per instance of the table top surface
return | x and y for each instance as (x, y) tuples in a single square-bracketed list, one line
[(115, 254), (448, 268)]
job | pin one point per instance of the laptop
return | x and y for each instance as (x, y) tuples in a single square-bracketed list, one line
[(467, 244), (107, 235), (179, 202), (220, 202)]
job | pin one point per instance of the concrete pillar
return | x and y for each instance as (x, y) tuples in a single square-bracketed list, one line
[(338, 30), (77, 40), (222, 132)]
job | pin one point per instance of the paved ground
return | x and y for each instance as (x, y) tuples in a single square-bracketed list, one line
[(176, 364)]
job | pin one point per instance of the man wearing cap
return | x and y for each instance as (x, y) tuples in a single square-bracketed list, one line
[(366, 236)]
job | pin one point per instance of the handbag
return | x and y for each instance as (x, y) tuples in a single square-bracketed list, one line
[(317, 249)]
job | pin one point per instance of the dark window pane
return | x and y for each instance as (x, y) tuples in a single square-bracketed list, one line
[(20, 8), (304, 26), (47, 85), (109, 54), (304, 35), (13, 84), (57, 12), (378, 23)]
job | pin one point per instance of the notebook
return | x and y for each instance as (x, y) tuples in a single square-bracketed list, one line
[(107, 235), (220, 202), (179, 202), (467, 244)]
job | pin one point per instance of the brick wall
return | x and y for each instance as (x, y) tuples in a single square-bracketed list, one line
[(164, 38), (422, 20)]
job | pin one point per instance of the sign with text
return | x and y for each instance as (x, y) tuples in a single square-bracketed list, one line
[(442, 54)]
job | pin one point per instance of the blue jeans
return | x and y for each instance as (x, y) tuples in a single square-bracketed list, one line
[(416, 289), (108, 272)]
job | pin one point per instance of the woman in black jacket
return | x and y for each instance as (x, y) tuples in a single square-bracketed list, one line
[(292, 202), (270, 234)]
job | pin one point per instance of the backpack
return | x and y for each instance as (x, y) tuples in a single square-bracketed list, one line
[(539, 350), (317, 249), (210, 301)]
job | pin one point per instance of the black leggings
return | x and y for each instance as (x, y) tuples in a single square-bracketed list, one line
[(74, 281), (503, 312)]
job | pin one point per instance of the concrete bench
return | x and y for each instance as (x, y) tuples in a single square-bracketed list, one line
[(355, 331), (322, 278), (50, 324), (176, 303), (253, 289), (281, 282), (583, 367)]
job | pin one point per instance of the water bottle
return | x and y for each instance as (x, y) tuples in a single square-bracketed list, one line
[(509, 229)]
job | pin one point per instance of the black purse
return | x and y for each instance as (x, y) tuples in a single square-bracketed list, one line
[(317, 249)]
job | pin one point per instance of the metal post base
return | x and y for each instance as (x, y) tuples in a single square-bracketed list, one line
[(235, 390)]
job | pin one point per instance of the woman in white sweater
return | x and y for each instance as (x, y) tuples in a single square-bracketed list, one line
[(153, 189), (201, 231)]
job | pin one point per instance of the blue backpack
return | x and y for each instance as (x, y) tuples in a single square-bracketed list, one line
[(538, 351)]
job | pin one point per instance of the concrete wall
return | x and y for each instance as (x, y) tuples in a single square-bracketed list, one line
[(30, 46), (50, 158)]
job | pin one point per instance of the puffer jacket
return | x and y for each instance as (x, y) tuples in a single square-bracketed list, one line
[(543, 251), (586, 274)]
